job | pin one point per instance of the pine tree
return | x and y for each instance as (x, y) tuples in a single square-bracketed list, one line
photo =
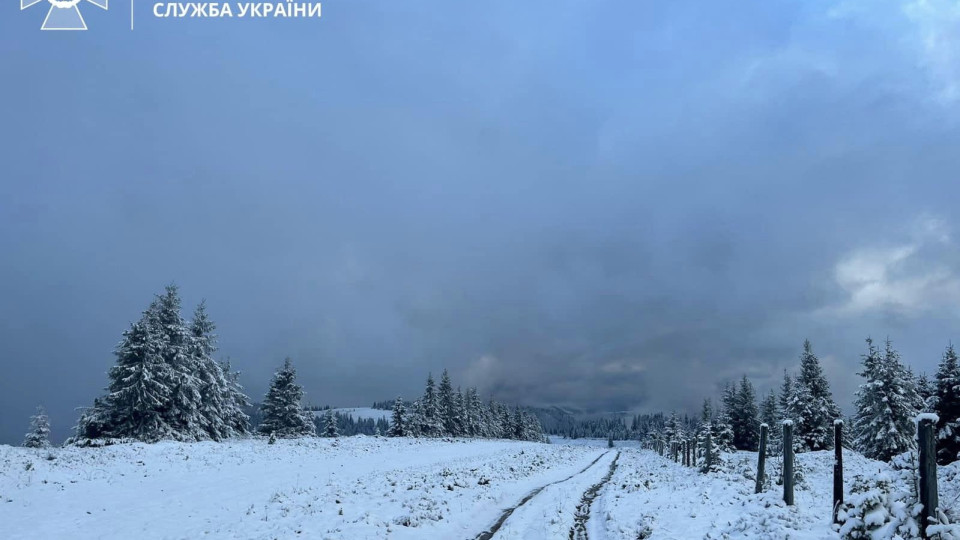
[(812, 404), (786, 397), (770, 416), (140, 390), (213, 384), (432, 417), (183, 410), (281, 410), (414, 420), (723, 435), (743, 417), (448, 407), (397, 419), (946, 403), (39, 434), (886, 405), (234, 402), (330, 425)]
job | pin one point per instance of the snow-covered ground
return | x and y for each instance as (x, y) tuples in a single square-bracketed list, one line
[(371, 487), (351, 488)]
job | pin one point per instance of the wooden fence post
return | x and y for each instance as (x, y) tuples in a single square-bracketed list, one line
[(837, 467), (928, 470), (788, 462), (761, 458)]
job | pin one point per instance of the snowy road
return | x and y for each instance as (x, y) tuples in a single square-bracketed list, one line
[(548, 510)]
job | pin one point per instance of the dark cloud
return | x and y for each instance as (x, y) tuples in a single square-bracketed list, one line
[(606, 205)]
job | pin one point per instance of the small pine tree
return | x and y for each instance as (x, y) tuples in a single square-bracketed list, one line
[(39, 434), (743, 416), (397, 419), (431, 416), (770, 416), (330, 425), (812, 404), (282, 411)]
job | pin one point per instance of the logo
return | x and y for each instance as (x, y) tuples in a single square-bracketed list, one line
[(64, 14)]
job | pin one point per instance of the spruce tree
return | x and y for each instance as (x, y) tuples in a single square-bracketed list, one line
[(330, 425), (946, 403), (141, 388), (770, 416), (448, 406), (431, 420), (235, 401), (413, 420), (39, 434), (744, 417), (886, 405), (183, 410), (785, 398), (213, 384), (282, 411), (812, 404), (397, 419)]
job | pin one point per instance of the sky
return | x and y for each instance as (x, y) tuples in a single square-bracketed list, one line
[(605, 205)]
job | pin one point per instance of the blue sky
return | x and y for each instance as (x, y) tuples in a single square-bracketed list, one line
[(608, 205)]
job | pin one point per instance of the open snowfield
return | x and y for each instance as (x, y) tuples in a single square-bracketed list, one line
[(351, 488), (367, 487)]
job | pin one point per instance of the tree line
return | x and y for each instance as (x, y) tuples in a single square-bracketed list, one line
[(166, 385)]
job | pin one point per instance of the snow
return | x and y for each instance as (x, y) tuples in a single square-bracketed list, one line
[(352, 488), (374, 487), (928, 416)]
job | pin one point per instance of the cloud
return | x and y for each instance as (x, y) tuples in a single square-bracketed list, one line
[(908, 279)]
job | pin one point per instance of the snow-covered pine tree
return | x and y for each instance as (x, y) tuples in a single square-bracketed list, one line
[(744, 417), (517, 430), (214, 387), (432, 419), (448, 406), (722, 430), (770, 416), (812, 404), (414, 420), (886, 405), (673, 429), (785, 398), (39, 434), (946, 403), (459, 413), (234, 402), (397, 419), (282, 411), (471, 405), (183, 410), (140, 390), (330, 425)]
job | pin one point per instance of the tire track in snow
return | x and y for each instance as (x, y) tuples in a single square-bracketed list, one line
[(579, 529), (488, 534)]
